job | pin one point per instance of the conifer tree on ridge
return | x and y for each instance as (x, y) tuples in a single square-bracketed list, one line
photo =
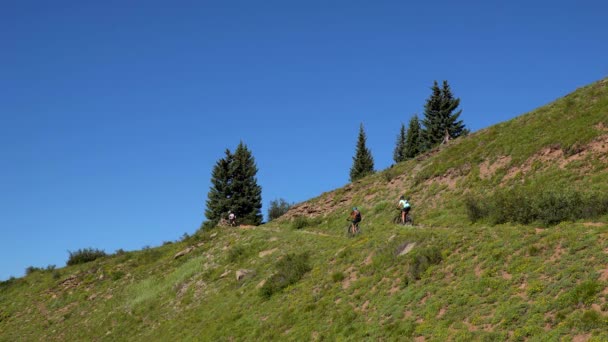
[(440, 116), (400, 151), (220, 193), (363, 162), (234, 188), (414, 144)]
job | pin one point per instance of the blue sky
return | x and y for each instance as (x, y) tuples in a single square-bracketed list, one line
[(113, 113)]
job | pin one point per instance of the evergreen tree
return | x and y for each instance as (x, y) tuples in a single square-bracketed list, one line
[(414, 144), (363, 162), (246, 198), (234, 188), (440, 116), (220, 194), (449, 104), (399, 152)]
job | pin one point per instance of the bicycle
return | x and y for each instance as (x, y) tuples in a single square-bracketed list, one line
[(349, 230), (409, 219)]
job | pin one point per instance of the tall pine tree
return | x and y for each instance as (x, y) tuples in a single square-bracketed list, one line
[(219, 197), (234, 188), (449, 105), (441, 116), (413, 144), (432, 132), (247, 194), (399, 152), (363, 162)]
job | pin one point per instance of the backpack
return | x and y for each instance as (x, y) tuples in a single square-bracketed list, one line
[(357, 215)]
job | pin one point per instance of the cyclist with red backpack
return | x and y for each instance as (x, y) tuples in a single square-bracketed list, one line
[(355, 218)]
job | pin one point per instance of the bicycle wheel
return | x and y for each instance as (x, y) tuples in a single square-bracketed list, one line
[(397, 220), (409, 220), (348, 231)]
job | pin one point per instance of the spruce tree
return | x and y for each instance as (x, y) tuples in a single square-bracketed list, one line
[(399, 152), (246, 198), (449, 104), (414, 144), (363, 162), (220, 194), (432, 132), (234, 188), (440, 116)]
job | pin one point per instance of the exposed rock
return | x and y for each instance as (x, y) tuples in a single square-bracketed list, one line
[(243, 274), (268, 252), (184, 252), (405, 248)]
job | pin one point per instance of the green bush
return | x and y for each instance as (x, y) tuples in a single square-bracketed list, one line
[(591, 319), (236, 253), (583, 294), (208, 225), (82, 256), (337, 277), (546, 206), (290, 269), (8, 282), (476, 208), (32, 269), (301, 222), (277, 208), (419, 260)]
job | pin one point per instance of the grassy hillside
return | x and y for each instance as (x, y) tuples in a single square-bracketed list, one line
[(445, 279)]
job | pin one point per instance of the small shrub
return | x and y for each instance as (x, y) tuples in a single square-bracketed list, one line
[(236, 253), (277, 208), (4, 316), (583, 294), (300, 222), (82, 256), (32, 269), (208, 225), (533, 251), (117, 275), (337, 277), (8, 282), (476, 208), (589, 320), (419, 260), (290, 269), (569, 151), (390, 174)]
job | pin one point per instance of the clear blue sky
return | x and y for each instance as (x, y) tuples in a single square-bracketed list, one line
[(113, 113)]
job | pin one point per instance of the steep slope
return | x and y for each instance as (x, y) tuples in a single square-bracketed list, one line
[(563, 143), (445, 279)]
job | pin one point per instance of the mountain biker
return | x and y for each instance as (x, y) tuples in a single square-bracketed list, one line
[(355, 217), (232, 219), (405, 206)]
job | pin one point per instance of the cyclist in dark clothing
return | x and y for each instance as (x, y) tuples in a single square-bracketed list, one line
[(355, 217)]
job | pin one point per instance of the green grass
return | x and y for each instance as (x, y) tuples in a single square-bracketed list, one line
[(462, 281)]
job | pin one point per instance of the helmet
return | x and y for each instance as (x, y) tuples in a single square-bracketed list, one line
[(354, 208)]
